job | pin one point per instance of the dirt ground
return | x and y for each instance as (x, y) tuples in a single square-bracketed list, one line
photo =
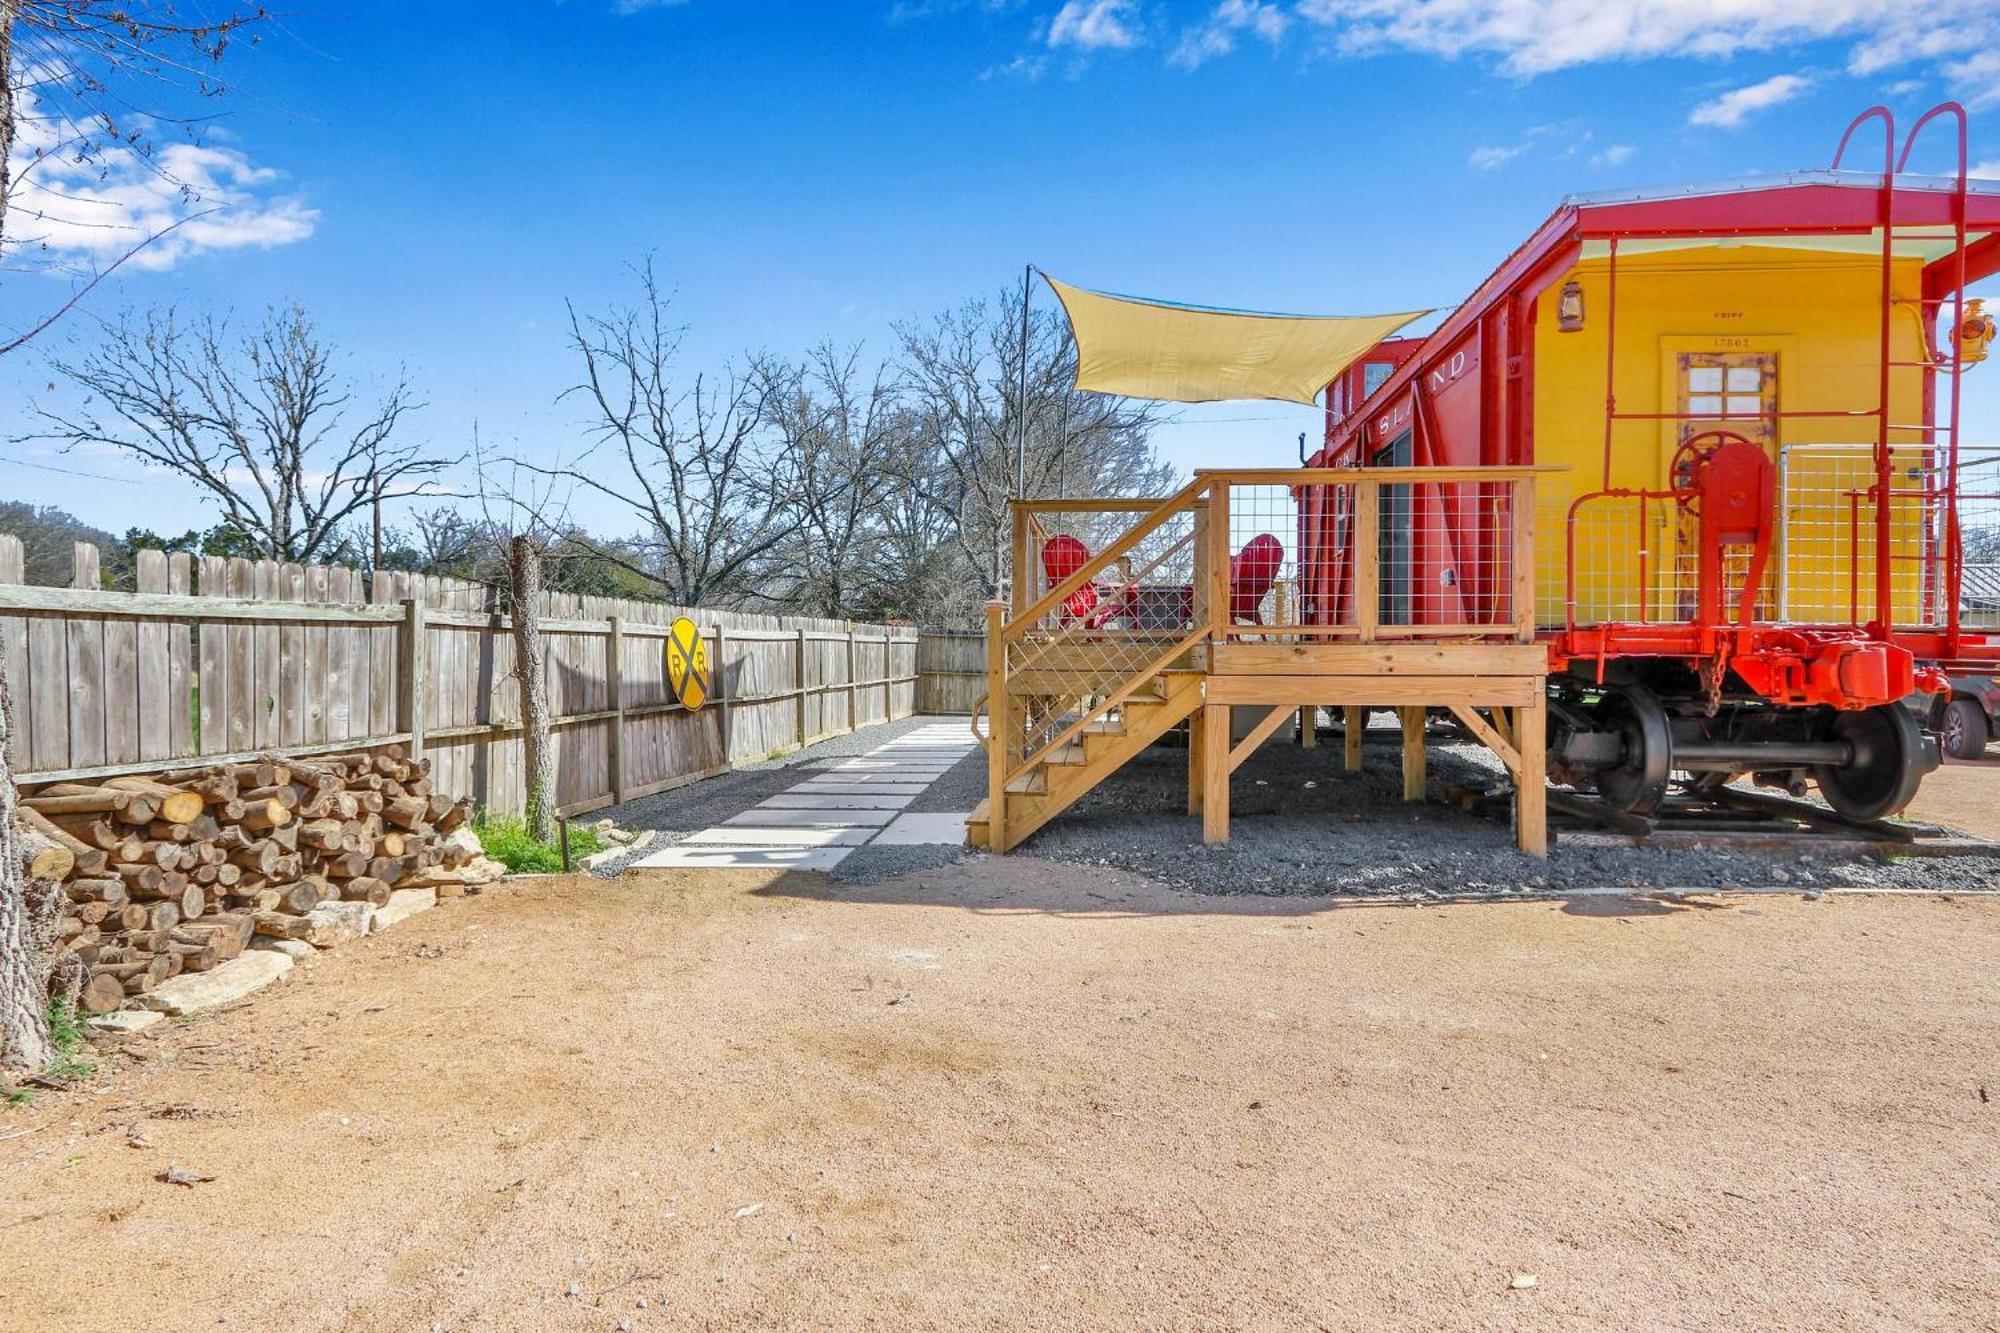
[(1011, 1094)]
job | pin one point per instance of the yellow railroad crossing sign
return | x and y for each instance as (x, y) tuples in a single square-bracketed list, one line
[(687, 664)]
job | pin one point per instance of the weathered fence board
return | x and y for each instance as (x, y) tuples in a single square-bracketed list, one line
[(222, 657), (950, 671)]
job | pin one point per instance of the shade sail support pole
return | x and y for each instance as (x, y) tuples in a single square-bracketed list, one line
[(1021, 392)]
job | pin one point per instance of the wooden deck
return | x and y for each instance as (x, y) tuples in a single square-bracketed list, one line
[(1079, 679)]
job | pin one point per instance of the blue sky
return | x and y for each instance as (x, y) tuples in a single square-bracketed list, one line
[(433, 181)]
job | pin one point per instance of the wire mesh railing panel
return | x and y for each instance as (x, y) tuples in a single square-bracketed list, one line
[(1126, 600), (1826, 559), (1979, 537), (1441, 556), (1635, 559)]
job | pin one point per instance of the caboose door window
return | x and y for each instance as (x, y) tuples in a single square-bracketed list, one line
[(1733, 391), (1736, 392), (1394, 538)]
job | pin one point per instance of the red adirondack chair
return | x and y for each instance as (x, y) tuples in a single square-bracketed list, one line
[(1062, 556), (1251, 573)]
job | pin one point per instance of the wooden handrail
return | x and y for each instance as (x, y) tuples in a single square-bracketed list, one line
[(1107, 504), (1098, 563)]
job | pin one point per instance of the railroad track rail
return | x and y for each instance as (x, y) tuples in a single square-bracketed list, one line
[(1733, 818)]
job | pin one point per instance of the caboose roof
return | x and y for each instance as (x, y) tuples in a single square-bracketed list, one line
[(1819, 210)]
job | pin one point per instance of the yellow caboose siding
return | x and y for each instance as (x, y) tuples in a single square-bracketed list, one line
[(1810, 320)]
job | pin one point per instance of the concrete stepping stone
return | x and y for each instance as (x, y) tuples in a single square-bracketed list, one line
[(781, 837), (875, 799), (766, 817), (911, 830), (683, 857)]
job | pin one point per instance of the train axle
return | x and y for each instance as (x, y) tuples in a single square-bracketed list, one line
[(1626, 742)]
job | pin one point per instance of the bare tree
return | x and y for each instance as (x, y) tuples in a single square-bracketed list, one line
[(963, 383), (73, 50), (842, 430), (262, 424), (714, 497), (86, 78)]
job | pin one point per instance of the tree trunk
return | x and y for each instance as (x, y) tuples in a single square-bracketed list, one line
[(24, 952), (525, 566), (9, 9)]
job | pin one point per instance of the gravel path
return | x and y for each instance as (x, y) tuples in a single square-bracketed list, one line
[(1300, 824)]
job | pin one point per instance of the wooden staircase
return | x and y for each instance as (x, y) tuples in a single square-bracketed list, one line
[(1063, 774)]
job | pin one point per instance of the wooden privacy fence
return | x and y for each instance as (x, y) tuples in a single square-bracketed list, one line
[(222, 658), (951, 670)]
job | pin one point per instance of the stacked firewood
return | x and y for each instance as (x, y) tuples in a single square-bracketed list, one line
[(179, 872)]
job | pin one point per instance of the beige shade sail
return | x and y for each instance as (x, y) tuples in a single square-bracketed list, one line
[(1186, 354)]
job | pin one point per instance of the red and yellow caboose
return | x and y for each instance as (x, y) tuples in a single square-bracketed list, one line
[(1750, 543)]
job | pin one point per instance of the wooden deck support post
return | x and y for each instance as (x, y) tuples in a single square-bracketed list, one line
[(997, 733), (1215, 773), (1531, 793), (1308, 727), (1355, 720), (1197, 774), (1412, 717)]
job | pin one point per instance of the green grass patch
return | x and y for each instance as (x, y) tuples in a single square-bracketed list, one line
[(71, 1062), (506, 840)]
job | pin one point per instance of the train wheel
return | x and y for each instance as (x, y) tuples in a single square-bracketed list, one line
[(1638, 783), (1889, 761)]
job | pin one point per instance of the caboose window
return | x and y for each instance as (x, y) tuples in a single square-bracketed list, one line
[(1373, 374)]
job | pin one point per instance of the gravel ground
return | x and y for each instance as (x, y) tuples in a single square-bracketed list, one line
[(672, 815), (1301, 824)]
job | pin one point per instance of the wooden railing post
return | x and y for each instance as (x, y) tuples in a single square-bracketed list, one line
[(614, 674), (1367, 557), (414, 665), (1218, 563), (998, 729), (1021, 580), (1524, 559)]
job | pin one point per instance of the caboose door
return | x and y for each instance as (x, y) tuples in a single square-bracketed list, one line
[(1394, 536), (1736, 392)]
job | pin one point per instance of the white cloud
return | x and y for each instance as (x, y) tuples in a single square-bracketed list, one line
[(1028, 67), (1532, 37), (1985, 171), (1092, 25), (195, 198), (1732, 108), (1495, 156), (1614, 155), (1217, 37)]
